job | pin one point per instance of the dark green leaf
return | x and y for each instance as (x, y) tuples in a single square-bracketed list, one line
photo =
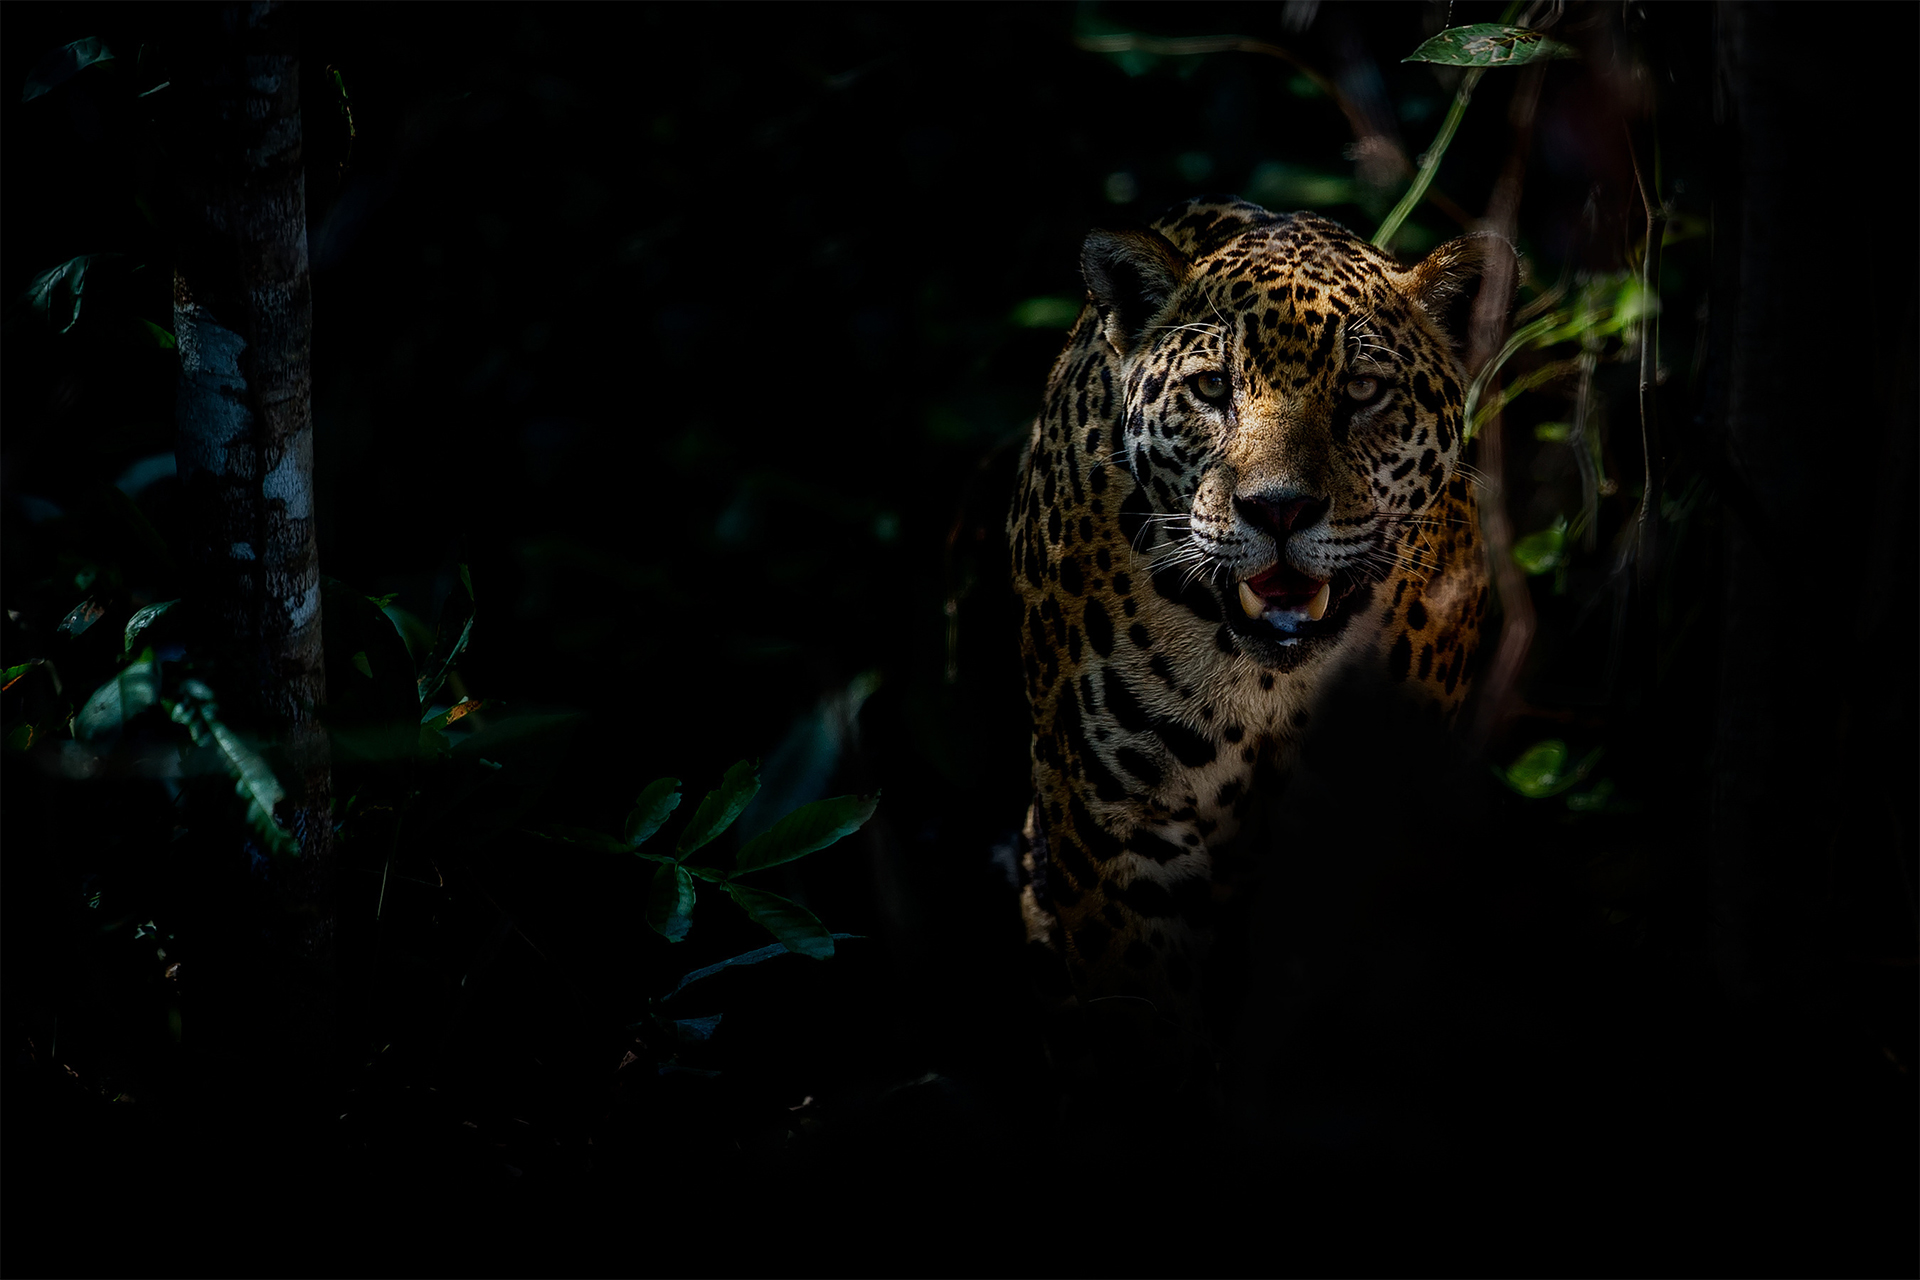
[(808, 828), (159, 337), (60, 65), (120, 699), (796, 927), (721, 806), (1045, 313), (694, 1030), (670, 903), (55, 293), (660, 798), (1542, 552), (145, 618), (752, 957), (456, 628), (254, 780), (11, 674), (1488, 44), (591, 839)]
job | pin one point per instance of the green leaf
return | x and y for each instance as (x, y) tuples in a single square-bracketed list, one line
[(456, 628), (1045, 313), (145, 618), (1542, 552), (120, 699), (1542, 770), (796, 927), (1488, 44), (55, 292), (752, 957), (809, 828), (58, 66), (584, 836), (660, 798), (670, 903), (159, 337), (11, 674), (254, 780), (721, 806), (84, 615)]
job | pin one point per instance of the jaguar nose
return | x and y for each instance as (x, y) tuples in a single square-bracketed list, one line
[(1281, 514)]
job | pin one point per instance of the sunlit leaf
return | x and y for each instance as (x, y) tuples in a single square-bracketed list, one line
[(659, 799), (1488, 44), (135, 689), (1543, 770), (11, 674), (751, 957), (721, 806), (808, 828), (58, 66), (796, 927), (145, 618), (670, 903)]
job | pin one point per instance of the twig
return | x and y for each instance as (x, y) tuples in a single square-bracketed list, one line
[(1648, 518), (1430, 162)]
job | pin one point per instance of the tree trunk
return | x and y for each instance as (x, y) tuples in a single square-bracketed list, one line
[(243, 319)]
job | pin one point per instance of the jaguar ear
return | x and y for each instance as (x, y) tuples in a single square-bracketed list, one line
[(1130, 274), (1442, 283)]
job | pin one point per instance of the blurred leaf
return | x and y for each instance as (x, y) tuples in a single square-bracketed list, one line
[(1594, 799), (808, 828), (1542, 770), (584, 836), (1488, 44), (55, 292), (721, 806), (1542, 552), (1292, 187), (457, 711), (694, 1030), (145, 618), (796, 927), (84, 615), (158, 336), (20, 738), (750, 957), (660, 798), (670, 903), (361, 664), (1045, 313), (11, 674), (120, 699), (58, 66), (1553, 432)]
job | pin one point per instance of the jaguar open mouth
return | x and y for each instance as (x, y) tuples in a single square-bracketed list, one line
[(1287, 605)]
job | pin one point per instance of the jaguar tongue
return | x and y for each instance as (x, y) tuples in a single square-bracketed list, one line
[(1284, 589)]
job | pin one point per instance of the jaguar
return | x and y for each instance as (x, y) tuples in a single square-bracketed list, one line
[(1245, 484)]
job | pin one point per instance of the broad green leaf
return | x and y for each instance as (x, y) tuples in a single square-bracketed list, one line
[(58, 66), (1542, 552), (808, 828), (721, 806), (1488, 44), (1045, 313), (670, 903), (145, 618), (254, 780), (660, 798), (796, 927), (752, 957), (20, 738), (56, 292), (456, 628), (159, 337), (11, 674), (120, 699)]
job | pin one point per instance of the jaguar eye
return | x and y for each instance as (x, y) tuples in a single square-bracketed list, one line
[(1363, 389), (1211, 385)]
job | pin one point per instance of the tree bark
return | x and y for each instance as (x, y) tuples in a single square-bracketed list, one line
[(243, 320)]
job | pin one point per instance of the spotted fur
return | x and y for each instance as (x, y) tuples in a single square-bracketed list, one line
[(1160, 709)]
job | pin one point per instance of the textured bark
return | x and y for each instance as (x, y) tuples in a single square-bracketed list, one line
[(243, 319)]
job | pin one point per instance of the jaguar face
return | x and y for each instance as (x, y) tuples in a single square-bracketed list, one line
[(1284, 427)]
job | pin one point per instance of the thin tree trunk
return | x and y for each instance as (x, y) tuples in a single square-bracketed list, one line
[(243, 319)]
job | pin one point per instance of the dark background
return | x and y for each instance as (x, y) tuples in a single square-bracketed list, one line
[(707, 338)]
